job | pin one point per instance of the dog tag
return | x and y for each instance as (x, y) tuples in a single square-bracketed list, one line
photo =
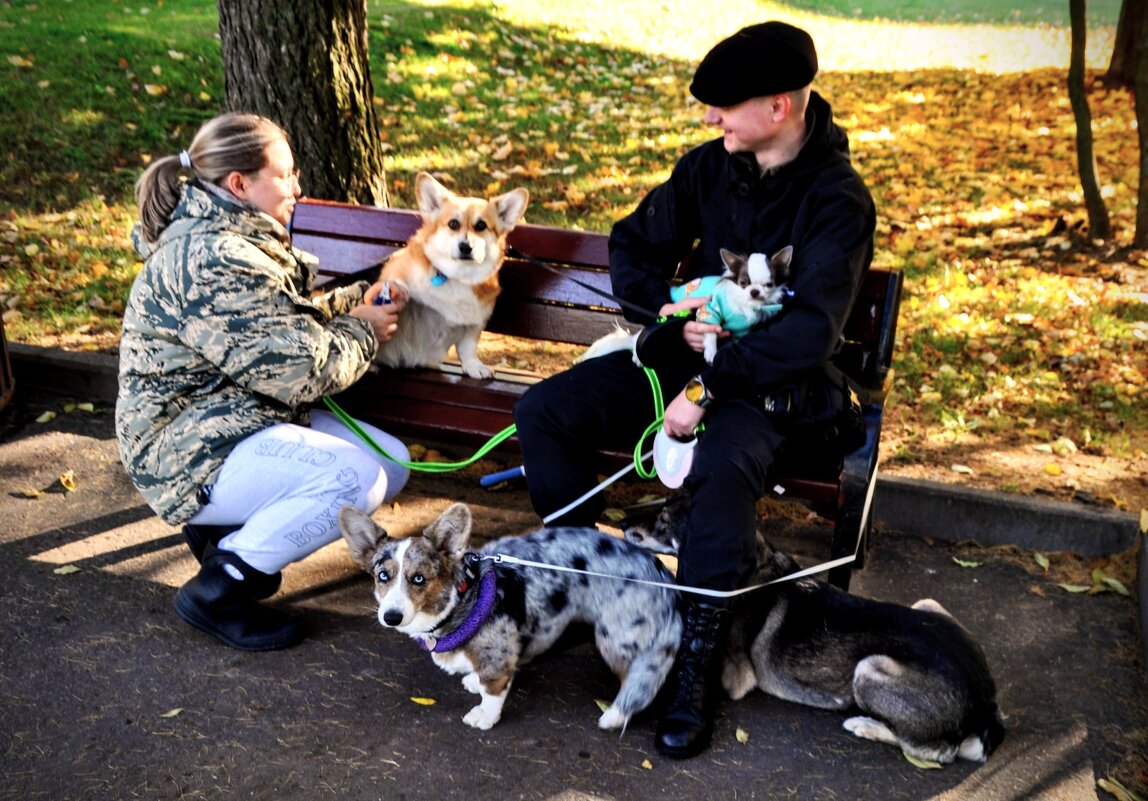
[(672, 458)]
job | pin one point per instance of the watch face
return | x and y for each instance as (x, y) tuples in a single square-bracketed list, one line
[(695, 391)]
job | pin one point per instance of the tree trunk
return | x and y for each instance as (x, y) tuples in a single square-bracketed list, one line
[(1140, 239), (1125, 51), (303, 64), (1098, 223)]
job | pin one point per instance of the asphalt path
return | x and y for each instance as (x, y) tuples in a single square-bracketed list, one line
[(106, 694)]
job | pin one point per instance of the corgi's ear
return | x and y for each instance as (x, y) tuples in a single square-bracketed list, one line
[(362, 534), (430, 194), (510, 207), (732, 261), (779, 264), (451, 532)]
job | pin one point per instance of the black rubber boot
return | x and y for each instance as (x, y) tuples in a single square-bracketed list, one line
[(217, 602), (199, 537), (688, 723)]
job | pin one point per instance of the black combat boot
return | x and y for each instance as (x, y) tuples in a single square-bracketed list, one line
[(224, 606), (199, 537), (688, 723)]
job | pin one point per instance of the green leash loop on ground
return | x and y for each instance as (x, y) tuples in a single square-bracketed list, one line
[(425, 467)]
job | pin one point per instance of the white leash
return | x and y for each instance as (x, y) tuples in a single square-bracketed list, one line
[(578, 501), (809, 571)]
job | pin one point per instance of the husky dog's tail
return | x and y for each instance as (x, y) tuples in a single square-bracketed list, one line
[(618, 339)]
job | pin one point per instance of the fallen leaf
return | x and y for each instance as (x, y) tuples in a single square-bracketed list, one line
[(742, 735), (20, 61), (966, 563), (960, 468), (602, 705), (924, 764), (421, 701), (173, 713), (29, 493), (46, 417), (647, 764), (86, 407), (1041, 560), (1053, 469), (1118, 790), (614, 515), (66, 570), (68, 480), (1075, 587)]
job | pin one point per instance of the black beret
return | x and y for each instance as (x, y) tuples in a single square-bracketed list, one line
[(764, 59)]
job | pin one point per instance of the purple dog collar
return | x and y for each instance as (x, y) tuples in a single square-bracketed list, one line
[(478, 616)]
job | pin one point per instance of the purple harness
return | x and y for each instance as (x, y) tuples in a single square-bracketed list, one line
[(478, 615)]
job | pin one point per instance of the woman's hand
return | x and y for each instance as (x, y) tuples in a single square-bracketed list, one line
[(693, 332), (383, 318)]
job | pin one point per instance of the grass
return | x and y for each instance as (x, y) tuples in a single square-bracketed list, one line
[(1014, 320)]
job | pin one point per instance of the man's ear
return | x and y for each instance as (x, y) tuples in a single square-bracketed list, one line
[(236, 184)]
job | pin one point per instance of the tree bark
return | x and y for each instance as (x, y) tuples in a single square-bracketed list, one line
[(303, 64), (1140, 238), (1098, 223), (1125, 51)]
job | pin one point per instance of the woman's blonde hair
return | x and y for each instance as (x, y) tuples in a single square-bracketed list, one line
[(232, 142)]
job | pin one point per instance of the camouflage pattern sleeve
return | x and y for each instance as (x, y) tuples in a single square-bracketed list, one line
[(242, 317)]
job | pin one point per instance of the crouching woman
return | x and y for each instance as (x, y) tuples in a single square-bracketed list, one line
[(223, 351)]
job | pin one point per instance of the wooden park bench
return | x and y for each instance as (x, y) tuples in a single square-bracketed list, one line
[(444, 406)]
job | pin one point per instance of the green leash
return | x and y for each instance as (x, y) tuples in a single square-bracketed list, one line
[(502, 436), (425, 467)]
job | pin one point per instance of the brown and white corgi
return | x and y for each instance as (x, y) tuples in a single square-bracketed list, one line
[(449, 273)]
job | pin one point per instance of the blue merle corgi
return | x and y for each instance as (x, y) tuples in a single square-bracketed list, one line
[(484, 618)]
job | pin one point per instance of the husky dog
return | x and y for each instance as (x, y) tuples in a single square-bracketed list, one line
[(919, 678), (483, 619), (449, 274), (747, 293)]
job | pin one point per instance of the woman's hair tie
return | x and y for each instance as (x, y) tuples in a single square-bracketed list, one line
[(185, 159)]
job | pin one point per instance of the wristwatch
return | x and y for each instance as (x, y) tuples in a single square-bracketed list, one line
[(697, 393)]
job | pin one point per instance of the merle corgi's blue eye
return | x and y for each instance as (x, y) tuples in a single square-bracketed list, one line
[(480, 225), (383, 576), (418, 579)]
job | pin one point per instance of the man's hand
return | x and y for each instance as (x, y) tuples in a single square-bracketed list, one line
[(693, 332), (682, 417)]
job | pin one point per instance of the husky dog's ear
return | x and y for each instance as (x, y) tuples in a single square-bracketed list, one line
[(430, 194), (779, 264), (734, 262), (509, 208), (451, 532), (362, 534)]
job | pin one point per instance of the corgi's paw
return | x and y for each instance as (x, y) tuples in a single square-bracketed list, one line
[(476, 369), (612, 718), (709, 352), (481, 717), (472, 683)]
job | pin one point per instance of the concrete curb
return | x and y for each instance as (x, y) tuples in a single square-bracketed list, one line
[(918, 507)]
